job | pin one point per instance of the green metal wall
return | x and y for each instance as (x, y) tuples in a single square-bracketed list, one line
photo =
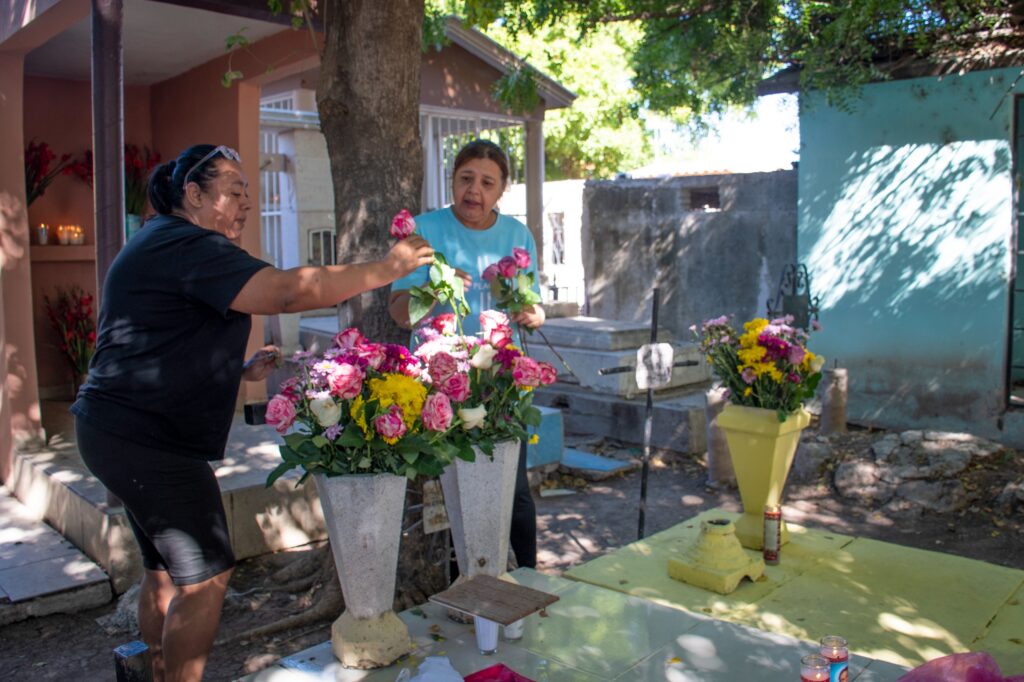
[(905, 221)]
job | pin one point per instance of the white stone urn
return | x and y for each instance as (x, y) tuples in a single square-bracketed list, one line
[(478, 498), (363, 514)]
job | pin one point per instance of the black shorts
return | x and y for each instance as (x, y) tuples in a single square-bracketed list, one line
[(173, 504)]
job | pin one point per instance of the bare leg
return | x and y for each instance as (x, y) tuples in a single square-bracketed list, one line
[(190, 627), (154, 598)]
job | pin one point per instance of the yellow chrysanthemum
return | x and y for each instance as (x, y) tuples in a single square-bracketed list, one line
[(747, 391), (357, 412), (805, 364), (399, 389), (751, 356), (774, 372), (534, 439), (756, 325)]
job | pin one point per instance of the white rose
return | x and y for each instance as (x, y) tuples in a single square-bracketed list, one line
[(327, 411), (817, 363), (484, 357), (472, 417)]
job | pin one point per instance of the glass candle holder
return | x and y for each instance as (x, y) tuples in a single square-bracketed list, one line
[(486, 635), (77, 235), (63, 235), (835, 650), (42, 234), (814, 668)]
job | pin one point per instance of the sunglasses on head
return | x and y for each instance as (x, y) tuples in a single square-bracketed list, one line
[(226, 152)]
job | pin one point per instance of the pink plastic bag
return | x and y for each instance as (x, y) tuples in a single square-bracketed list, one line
[(976, 666), (497, 673)]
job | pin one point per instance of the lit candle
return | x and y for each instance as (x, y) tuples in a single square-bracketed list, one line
[(63, 234), (42, 234), (834, 649), (814, 668), (77, 236)]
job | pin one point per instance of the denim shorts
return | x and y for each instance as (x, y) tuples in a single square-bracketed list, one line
[(172, 502)]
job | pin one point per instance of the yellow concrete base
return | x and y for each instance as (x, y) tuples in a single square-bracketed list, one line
[(750, 531), (369, 643), (716, 561)]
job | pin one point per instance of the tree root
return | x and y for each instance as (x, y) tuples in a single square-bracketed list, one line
[(326, 605)]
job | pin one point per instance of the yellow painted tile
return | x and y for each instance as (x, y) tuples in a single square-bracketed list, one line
[(1004, 638)]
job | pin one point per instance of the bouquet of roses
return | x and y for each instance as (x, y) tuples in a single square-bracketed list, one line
[(487, 378), (512, 284), (768, 366), (362, 408), (444, 285)]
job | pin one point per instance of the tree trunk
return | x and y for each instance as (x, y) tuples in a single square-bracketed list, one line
[(369, 96)]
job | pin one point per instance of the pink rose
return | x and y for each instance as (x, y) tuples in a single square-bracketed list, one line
[(441, 366), (390, 425), (444, 323), (490, 272), (456, 386), (280, 413), (437, 412), (489, 319), (521, 257), (346, 381), (548, 374), (507, 267), (402, 225), (526, 372), (373, 353), (500, 336), (291, 389), (349, 338)]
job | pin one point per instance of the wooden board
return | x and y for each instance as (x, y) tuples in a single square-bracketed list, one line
[(493, 599)]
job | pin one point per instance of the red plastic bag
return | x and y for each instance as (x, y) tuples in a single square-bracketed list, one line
[(496, 673)]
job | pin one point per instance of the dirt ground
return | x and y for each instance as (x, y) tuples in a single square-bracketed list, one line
[(572, 528)]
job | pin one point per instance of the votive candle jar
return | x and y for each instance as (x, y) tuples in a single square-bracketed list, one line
[(814, 668)]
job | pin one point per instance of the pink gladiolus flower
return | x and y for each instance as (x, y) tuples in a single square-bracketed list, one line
[(280, 413), (548, 374), (500, 336), (490, 272), (346, 381), (521, 257), (402, 225), (749, 376), (390, 425), (456, 386), (526, 372), (349, 338), (507, 267), (444, 323), (437, 412), (489, 319), (441, 366)]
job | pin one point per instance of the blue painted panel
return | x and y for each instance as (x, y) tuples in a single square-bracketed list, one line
[(549, 448), (905, 223)]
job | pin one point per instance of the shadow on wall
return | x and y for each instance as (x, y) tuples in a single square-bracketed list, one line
[(908, 248)]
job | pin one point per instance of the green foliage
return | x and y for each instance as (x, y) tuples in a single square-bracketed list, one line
[(444, 287), (705, 57), (517, 89)]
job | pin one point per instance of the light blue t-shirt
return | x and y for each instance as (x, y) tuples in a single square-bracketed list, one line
[(472, 251)]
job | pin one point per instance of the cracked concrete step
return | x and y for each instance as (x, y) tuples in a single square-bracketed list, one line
[(41, 572)]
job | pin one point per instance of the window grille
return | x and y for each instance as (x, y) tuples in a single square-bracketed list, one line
[(322, 247), (271, 211)]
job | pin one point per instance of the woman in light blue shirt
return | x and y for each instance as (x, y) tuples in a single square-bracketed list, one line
[(473, 235)]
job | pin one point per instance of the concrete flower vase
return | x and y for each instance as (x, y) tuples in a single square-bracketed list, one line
[(363, 515), (478, 498), (762, 450), (716, 561)]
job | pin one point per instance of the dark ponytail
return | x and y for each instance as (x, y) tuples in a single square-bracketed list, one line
[(160, 190), (166, 190)]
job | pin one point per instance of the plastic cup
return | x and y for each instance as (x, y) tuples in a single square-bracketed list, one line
[(514, 631), (486, 635)]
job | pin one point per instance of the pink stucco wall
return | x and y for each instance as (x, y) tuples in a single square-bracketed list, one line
[(67, 200)]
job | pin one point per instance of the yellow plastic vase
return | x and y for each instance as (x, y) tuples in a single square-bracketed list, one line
[(762, 450)]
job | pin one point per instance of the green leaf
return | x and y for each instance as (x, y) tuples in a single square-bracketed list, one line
[(236, 40), (419, 307), (351, 437), (294, 440), (364, 463), (410, 457), (319, 441), (410, 472), (229, 77), (278, 471)]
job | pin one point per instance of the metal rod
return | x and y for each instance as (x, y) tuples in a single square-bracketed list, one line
[(648, 422)]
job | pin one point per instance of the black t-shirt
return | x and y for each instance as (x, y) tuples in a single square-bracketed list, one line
[(169, 351)]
